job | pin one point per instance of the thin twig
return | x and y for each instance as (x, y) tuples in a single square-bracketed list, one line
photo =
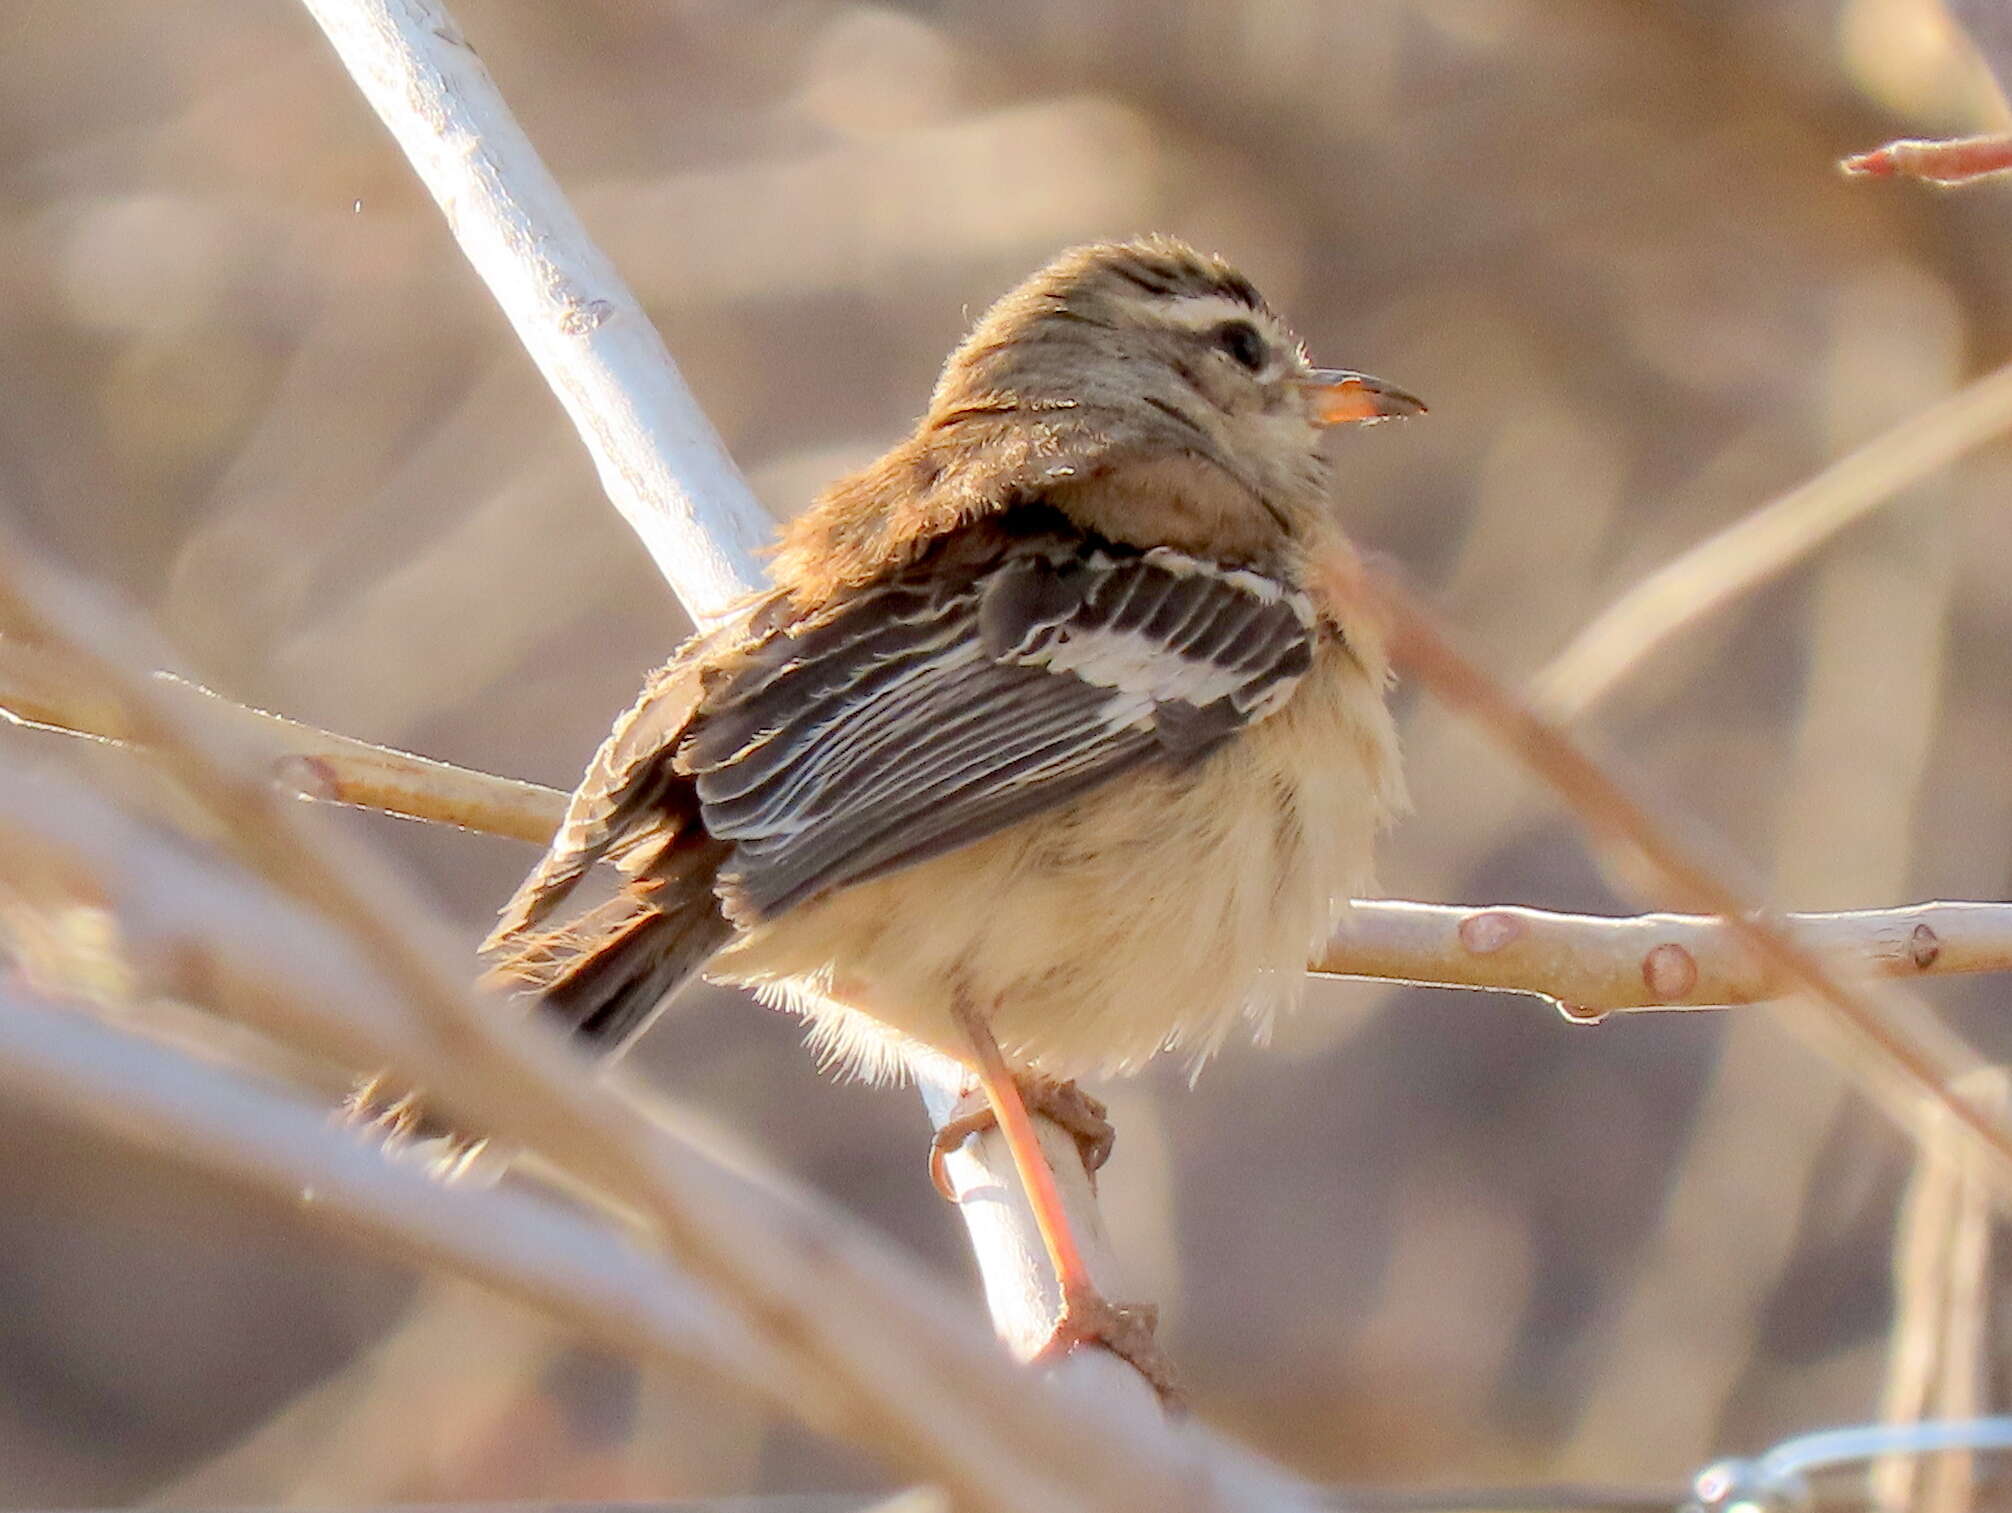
[(1960, 160), (1906, 1075), (38, 692), (226, 1124), (1591, 964), (317, 764), (1957, 160), (1764, 544), (1938, 1361)]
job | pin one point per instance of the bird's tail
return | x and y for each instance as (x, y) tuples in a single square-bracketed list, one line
[(605, 973)]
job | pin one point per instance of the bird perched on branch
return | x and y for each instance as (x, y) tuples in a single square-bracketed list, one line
[(1057, 744)]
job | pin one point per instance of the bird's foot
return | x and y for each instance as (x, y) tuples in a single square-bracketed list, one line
[(405, 1130), (1065, 1103), (1124, 1329)]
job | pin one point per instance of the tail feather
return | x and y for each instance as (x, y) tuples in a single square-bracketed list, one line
[(605, 973), (630, 794)]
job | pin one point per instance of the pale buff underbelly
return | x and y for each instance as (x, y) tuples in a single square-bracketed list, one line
[(1156, 913)]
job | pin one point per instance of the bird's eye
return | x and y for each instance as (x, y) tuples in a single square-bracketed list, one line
[(1240, 339)]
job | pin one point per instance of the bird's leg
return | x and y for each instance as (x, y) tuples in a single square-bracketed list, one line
[(1062, 1102), (1086, 1317)]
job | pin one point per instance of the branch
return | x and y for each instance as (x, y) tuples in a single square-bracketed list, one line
[(1964, 159), (661, 463), (223, 1123), (1958, 160), (1910, 1070), (1590, 964), (659, 459), (1759, 547), (1939, 1352), (38, 693)]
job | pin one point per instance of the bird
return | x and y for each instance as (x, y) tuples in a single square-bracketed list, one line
[(1057, 743)]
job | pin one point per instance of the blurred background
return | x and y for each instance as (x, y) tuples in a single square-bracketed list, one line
[(247, 382)]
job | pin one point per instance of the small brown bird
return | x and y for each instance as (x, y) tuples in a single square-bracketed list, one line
[(1057, 744)]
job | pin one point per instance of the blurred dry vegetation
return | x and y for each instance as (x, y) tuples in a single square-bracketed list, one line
[(246, 380)]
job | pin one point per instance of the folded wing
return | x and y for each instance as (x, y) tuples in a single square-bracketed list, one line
[(1012, 669), (946, 705)]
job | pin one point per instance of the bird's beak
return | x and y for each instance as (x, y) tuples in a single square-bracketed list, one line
[(1343, 398)]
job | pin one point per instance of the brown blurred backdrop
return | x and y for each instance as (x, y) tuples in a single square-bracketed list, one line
[(246, 379)]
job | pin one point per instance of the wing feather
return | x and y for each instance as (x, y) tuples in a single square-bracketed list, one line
[(942, 707), (629, 792)]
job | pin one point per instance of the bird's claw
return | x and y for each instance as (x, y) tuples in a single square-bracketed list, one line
[(1064, 1103), (1127, 1330)]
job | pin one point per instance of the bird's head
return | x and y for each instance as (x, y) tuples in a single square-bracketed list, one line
[(1143, 389), (1170, 363)]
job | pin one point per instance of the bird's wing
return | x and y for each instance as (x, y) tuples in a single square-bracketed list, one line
[(630, 792), (970, 692)]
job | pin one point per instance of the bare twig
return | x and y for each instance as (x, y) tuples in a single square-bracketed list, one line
[(38, 692), (317, 764), (1938, 1366), (528, 1247), (302, 760), (1908, 1076), (1762, 545), (1592, 964), (661, 463), (1962, 159), (1957, 160)]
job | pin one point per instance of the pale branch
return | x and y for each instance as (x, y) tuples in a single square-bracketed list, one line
[(1589, 964), (318, 764), (1910, 1068), (661, 463), (1592, 965), (659, 459), (307, 762), (1762, 545), (268, 1140)]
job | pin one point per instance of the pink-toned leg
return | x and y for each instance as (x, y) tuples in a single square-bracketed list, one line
[(1087, 1317)]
